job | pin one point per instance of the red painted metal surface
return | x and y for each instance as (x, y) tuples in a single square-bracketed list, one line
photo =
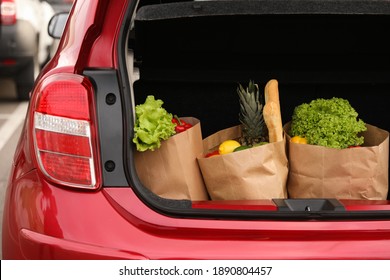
[(366, 205), (52, 222)]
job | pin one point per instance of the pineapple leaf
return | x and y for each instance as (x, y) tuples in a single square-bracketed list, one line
[(251, 114)]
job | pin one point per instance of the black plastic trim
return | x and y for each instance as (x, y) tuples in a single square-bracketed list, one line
[(110, 126), (309, 205), (257, 7)]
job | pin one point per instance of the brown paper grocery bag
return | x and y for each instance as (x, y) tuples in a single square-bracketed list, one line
[(255, 173), (353, 173), (172, 171)]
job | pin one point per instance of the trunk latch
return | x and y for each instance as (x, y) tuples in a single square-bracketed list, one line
[(309, 205)]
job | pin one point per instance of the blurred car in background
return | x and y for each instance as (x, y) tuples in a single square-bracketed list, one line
[(61, 5), (25, 43)]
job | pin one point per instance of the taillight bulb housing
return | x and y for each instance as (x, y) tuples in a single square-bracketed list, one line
[(8, 12), (64, 131)]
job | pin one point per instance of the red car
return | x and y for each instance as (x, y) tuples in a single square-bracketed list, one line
[(75, 190)]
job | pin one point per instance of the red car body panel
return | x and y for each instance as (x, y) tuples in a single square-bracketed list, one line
[(43, 220), (86, 36), (115, 224)]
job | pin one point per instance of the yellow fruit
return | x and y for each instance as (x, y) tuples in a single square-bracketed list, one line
[(298, 140), (228, 146)]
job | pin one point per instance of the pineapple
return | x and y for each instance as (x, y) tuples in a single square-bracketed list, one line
[(251, 115)]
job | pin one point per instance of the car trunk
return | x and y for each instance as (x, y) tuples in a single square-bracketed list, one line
[(192, 55)]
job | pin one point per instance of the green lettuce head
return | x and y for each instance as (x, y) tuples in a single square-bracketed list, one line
[(328, 122), (153, 125)]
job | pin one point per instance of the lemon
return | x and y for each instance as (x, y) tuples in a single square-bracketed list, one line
[(228, 146)]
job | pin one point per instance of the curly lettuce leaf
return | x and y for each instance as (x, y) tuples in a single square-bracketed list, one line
[(153, 124), (328, 122)]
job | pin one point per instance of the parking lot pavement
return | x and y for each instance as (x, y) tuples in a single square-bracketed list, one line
[(12, 115)]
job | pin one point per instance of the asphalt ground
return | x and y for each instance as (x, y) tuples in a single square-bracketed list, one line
[(12, 115)]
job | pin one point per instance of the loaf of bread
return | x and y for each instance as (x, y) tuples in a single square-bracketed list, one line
[(271, 91), (271, 111)]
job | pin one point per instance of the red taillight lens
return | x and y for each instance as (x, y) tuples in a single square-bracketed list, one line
[(8, 62), (76, 170), (8, 12), (51, 100), (64, 131), (62, 143)]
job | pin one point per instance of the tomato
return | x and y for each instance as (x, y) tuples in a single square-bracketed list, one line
[(215, 153)]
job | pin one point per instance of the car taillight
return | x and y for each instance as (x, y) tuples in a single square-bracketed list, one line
[(64, 131), (8, 12)]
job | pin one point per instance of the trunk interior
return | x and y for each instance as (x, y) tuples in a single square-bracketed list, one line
[(193, 55)]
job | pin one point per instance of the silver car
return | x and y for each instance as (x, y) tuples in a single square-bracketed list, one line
[(24, 42)]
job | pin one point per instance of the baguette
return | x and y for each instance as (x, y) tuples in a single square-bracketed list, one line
[(271, 91), (271, 112)]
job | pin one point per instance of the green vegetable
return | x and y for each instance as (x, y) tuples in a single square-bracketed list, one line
[(153, 124), (328, 122), (240, 148), (260, 144)]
